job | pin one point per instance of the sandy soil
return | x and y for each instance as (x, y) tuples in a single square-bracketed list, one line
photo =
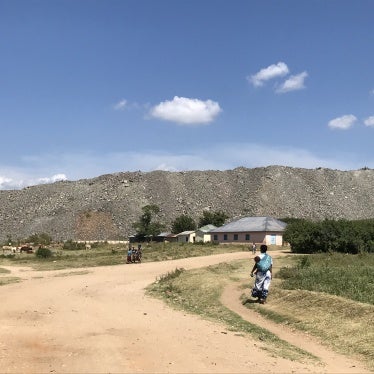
[(99, 320)]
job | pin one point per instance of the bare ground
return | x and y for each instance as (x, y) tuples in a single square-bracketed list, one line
[(99, 320)]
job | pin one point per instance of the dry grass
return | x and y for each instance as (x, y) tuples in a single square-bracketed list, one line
[(8, 280), (198, 291), (341, 323), (345, 325)]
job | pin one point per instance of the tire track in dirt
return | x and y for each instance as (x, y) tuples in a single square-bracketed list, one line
[(333, 362)]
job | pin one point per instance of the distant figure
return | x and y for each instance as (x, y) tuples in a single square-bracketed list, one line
[(254, 248), (129, 255), (263, 268)]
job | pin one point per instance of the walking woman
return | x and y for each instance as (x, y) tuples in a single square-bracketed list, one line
[(263, 268)]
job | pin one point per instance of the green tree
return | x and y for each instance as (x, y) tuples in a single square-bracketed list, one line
[(145, 227), (39, 239), (43, 253), (217, 218), (183, 223), (330, 236)]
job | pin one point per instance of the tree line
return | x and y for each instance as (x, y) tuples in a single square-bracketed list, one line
[(329, 235), (148, 225)]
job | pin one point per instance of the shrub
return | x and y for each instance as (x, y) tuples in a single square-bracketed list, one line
[(71, 245), (43, 252)]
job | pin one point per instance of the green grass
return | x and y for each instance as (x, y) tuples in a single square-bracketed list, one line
[(198, 291), (333, 315), (329, 296), (348, 276), (106, 255)]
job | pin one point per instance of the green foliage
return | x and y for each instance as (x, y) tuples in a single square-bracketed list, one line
[(349, 276), (217, 218), (43, 252), (183, 223), (39, 239), (73, 246), (330, 236), (170, 275), (145, 227)]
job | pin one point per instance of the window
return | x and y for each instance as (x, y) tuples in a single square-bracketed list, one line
[(247, 237), (215, 237), (235, 236), (224, 236)]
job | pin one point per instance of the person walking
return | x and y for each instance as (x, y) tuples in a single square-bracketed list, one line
[(263, 268), (254, 248)]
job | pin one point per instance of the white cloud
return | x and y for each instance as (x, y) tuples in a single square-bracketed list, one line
[(5, 182), (273, 71), (342, 123), (186, 111), (19, 178), (54, 178), (121, 105), (369, 121), (293, 83)]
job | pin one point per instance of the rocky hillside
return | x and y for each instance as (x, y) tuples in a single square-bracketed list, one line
[(106, 207)]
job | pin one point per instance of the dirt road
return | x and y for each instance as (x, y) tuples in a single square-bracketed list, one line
[(98, 320)]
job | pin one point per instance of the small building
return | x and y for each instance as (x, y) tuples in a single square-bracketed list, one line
[(161, 237), (186, 237), (203, 233), (171, 238), (259, 230)]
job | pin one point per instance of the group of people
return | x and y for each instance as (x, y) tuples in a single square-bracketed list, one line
[(262, 270), (134, 254)]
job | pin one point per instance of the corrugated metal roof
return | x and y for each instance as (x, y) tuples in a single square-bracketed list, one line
[(185, 233), (250, 224), (164, 233), (207, 228)]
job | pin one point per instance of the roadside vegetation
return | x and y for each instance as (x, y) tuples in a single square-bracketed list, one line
[(348, 276), (319, 302), (198, 291), (329, 235), (4, 279), (73, 255)]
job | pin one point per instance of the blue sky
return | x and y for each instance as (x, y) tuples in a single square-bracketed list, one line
[(92, 87)]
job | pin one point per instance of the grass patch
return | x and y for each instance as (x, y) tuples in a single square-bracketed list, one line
[(4, 271), (109, 255), (343, 324), (329, 296), (82, 272), (349, 276), (8, 280), (198, 291), (338, 321)]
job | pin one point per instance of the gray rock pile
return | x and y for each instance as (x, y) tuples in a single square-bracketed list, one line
[(105, 208)]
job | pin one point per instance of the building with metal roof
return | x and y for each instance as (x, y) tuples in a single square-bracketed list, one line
[(186, 237), (203, 233), (259, 230)]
